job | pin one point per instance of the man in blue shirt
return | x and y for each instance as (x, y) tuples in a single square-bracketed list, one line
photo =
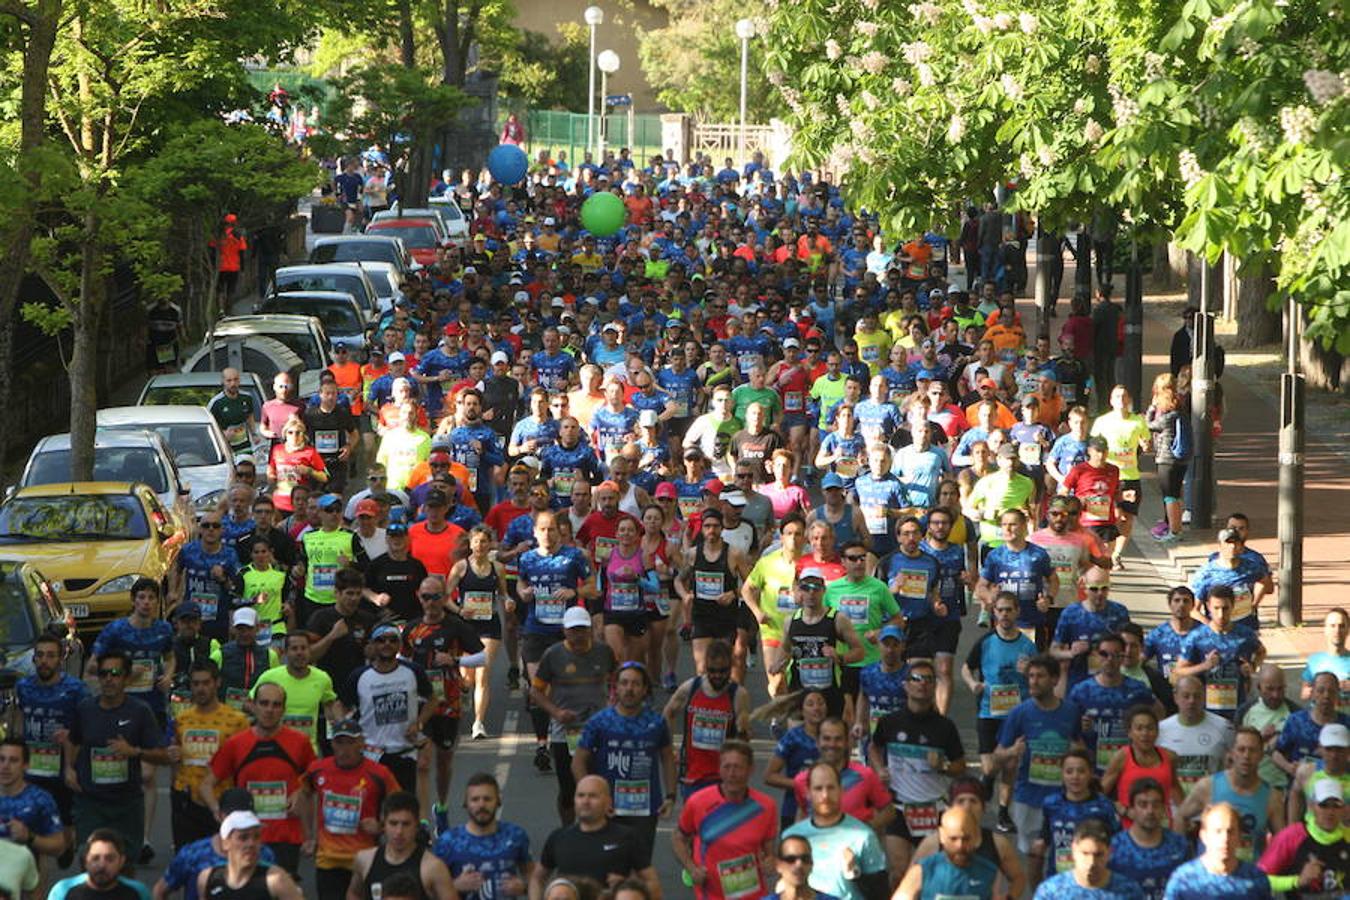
[(487, 857), (1218, 872), (475, 445), (1023, 569), (1223, 654), (1247, 575)]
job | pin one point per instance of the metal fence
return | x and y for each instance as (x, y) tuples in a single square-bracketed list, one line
[(566, 131)]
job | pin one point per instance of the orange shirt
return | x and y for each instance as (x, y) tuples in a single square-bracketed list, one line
[(435, 550), (345, 798), (1050, 411), (422, 472), (1006, 337), (349, 382), (1002, 419)]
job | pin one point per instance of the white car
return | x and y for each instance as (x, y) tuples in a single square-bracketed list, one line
[(195, 438), (452, 217)]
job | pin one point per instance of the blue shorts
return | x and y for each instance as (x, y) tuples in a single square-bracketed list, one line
[(797, 420)]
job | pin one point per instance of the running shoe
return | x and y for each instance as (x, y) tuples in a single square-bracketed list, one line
[(442, 817), (513, 679), (1005, 823), (542, 761), (1172, 537), (478, 732), (1160, 530)]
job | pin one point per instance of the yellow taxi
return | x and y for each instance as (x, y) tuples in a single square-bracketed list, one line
[(92, 540)]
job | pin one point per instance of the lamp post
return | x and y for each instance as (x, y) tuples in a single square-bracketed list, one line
[(594, 16), (608, 61), (745, 30)]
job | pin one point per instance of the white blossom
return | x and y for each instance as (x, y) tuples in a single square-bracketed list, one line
[(1046, 155), (1028, 23), (1010, 87), (926, 76), (1093, 64), (1153, 64), (832, 50), (1123, 108), (984, 25), (1298, 124), (870, 99), (1080, 105), (926, 13), (1323, 86), (868, 29), (1252, 135), (870, 5), (1248, 48), (971, 7), (1189, 166), (875, 62), (901, 86), (1003, 21), (867, 156), (1093, 131), (777, 79), (916, 52), (841, 103), (862, 132), (956, 129), (1025, 167)]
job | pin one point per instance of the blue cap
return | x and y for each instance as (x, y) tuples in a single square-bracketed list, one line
[(398, 521), (328, 501), (674, 323), (891, 631), (387, 628), (188, 608), (831, 480)]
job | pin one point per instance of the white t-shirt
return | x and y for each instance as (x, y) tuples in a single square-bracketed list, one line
[(1200, 749)]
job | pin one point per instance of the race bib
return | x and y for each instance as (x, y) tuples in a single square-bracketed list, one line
[(326, 441), (855, 607), (269, 799), (1003, 698), (815, 672), (624, 597), (913, 585), (165, 354), (562, 483), (681, 408), (477, 605), (793, 402), (739, 877), (688, 506), (1106, 748), (1242, 604), (199, 745), (632, 798), (44, 760), (708, 585), (604, 546), (209, 603), (1029, 454), (341, 813), (1063, 858), (1221, 694), (708, 729), (303, 724), (106, 767), (549, 609), (920, 818), (846, 466), (142, 676), (875, 516), (1098, 507), (1044, 766), (325, 576)]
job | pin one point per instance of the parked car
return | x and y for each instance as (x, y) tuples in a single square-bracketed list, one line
[(137, 456), (347, 278), (93, 539), (198, 389), (194, 437), (352, 248), (301, 335), (453, 225), (30, 608), (342, 317), (422, 236), (452, 217), (388, 283)]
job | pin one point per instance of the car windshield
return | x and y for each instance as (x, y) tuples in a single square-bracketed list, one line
[(187, 395), (191, 443), (137, 464), (383, 280), (18, 617), (419, 236), (303, 346), (345, 284), (75, 517), (337, 317), (355, 251)]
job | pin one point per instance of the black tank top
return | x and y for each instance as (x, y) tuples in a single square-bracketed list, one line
[(987, 848), (478, 594), (712, 578), (217, 888), (811, 668), (381, 869)]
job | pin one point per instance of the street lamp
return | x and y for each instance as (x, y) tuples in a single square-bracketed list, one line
[(595, 17), (608, 61), (745, 30)]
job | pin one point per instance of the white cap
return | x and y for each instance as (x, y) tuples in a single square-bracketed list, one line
[(1334, 735), (548, 220), (245, 616), (558, 301), (1327, 789), (734, 498), (522, 297), (239, 820), (470, 270), (647, 418), (576, 617), (395, 357), (500, 356), (792, 342)]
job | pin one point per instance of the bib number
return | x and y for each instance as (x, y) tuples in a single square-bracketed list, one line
[(739, 877), (624, 597), (326, 441), (920, 818), (1003, 698), (44, 760), (106, 767), (548, 609), (1221, 694), (816, 673), (632, 798), (269, 799), (341, 813), (477, 605)]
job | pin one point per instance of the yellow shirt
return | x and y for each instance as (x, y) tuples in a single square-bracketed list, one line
[(873, 349), (200, 735)]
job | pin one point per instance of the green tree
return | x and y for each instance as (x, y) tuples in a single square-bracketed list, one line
[(695, 61), (542, 73)]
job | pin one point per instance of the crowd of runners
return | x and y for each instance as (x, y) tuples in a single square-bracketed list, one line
[(748, 436)]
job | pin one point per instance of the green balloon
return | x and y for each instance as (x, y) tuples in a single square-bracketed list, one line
[(603, 214)]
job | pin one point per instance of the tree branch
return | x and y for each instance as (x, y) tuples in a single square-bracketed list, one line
[(18, 11)]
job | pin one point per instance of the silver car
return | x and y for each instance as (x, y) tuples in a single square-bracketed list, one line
[(195, 438)]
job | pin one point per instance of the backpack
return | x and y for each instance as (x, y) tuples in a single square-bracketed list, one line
[(1182, 439)]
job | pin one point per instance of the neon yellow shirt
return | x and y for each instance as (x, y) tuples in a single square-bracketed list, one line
[(1124, 436), (774, 575)]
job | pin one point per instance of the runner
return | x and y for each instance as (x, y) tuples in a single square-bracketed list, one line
[(869, 606), (1334, 746), (1126, 434), (1223, 654), (488, 857), (811, 639), (323, 551), (1104, 699), (1199, 739), (206, 572), (864, 797), (199, 732), (47, 702), (1240, 786), (1087, 874), (957, 867), (1163, 643), (234, 412), (707, 585), (103, 857), (852, 863), (1246, 576), (594, 846), (307, 689), (390, 698), (1078, 802), (399, 853), (192, 858), (1218, 872), (1023, 570), (1312, 857), (1147, 852), (712, 709), (243, 874), (914, 576), (1081, 624), (767, 592), (479, 583)]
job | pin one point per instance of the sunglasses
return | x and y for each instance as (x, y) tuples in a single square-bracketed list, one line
[(432, 596), (721, 670), (110, 673), (208, 525), (923, 679), (1096, 588), (855, 557), (794, 858)]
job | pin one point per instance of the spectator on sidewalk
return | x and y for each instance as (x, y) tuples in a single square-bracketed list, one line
[(1106, 321)]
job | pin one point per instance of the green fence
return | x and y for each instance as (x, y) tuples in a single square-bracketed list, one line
[(566, 131)]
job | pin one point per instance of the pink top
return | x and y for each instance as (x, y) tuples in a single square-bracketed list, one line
[(785, 499), (1079, 330)]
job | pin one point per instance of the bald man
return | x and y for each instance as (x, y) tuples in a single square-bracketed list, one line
[(594, 845), (1197, 737), (956, 871), (1218, 872), (1267, 713), (234, 411)]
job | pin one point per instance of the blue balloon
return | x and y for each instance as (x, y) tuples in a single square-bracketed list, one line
[(508, 163)]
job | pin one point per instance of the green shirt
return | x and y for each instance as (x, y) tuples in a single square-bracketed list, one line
[(322, 552), (272, 582), (774, 576), (744, 395), (232, 414), (827, 393), (1258, 717), (867, 604), (305, 698), (1124, 436), (1000, 493)]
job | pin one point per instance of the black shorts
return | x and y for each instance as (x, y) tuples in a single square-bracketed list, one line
[(404, 765), (715, 621), (533, 646), (1170, 478), (632, 625), (1129, 506), (679, 427), (443, 731), (489, 629), (745, 619), (986, 733), (848, 680), (61, 793), (1107, 533), (930, 636)]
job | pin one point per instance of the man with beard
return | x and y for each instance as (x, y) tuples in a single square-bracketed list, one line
[(47, 701), (1146, 852), (241, 875), (103, 860), (487, 857), (388, 696), (474, 444), (957, 870)]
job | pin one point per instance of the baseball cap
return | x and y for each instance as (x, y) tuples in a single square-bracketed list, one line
[(247, 616), (1007, 451), (665, 489), (831, 480), (610, 326), (735, 498), (557, 302), (341, 345), (608, 485), (239, 820), (398, 522), (895, 632), (548, 220), (236, 800), (792, 342), (436, 497), (693, 453), (1334, 735), (500, 357), (377, 351), (1229, 536), (521, 296), (438, 456), (330, 501), (965, 786), (647, 418), (713, 487), (811, 574), (368, 507), (396, 356), (453, 328), (1097, 442), (576, 617), (987, 382), (349, 728), (386, 628), (1326, 790), (188, 609), (674, 323)]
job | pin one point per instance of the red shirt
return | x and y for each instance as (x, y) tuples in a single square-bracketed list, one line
[(503, 514), (1097, 490), (724, 844), (228, 248), (270, 770), (435, 549), (864, 793), (346, 797), (284, 462), (599, 534)]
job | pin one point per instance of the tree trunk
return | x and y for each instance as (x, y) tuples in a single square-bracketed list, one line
[(1257, 324), (84, 353), (16, 236), (407, 46), (417, 178)]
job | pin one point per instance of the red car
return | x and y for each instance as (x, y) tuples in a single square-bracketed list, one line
[(422, 237)]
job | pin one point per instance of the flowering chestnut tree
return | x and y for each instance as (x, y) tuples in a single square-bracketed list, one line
[(1217, 123)]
